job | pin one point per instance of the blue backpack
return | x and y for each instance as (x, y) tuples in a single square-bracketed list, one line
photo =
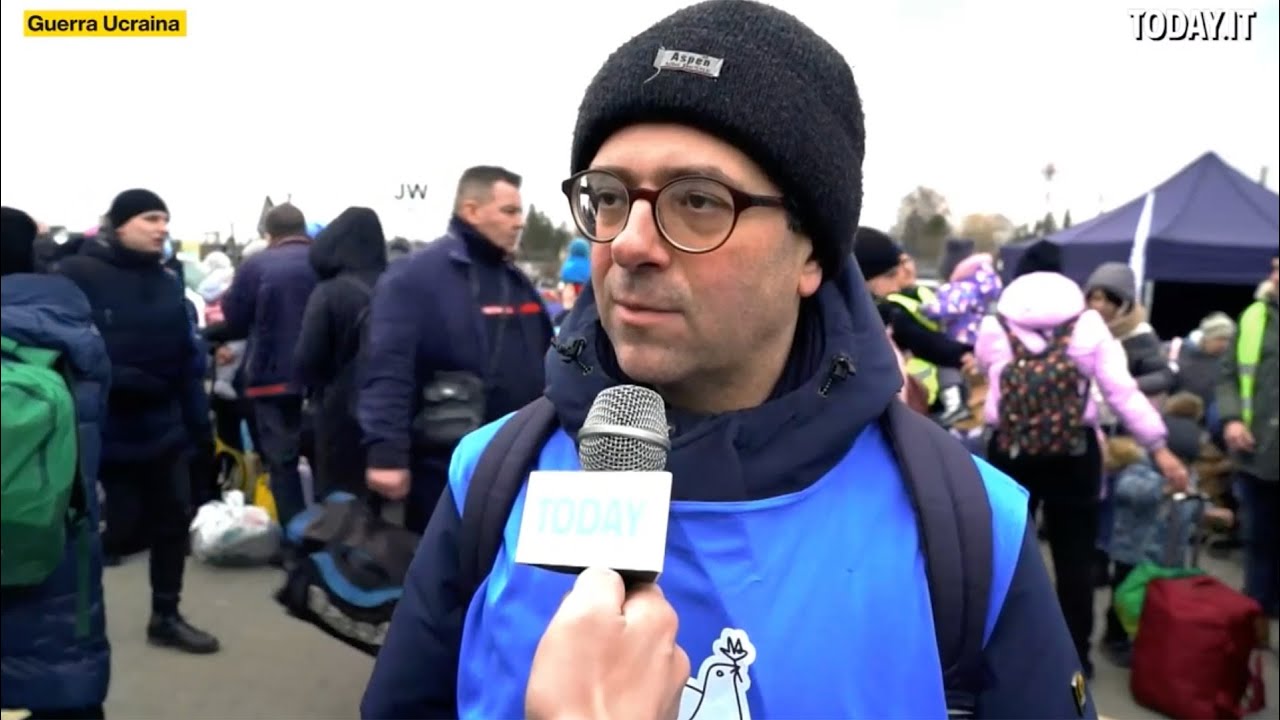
[(946, 489)]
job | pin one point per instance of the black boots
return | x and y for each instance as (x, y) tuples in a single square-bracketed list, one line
[(172, 630)]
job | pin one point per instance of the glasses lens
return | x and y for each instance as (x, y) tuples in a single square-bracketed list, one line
[(696, 214), (600, 206)]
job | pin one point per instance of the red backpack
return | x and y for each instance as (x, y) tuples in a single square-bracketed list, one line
[(1042, 398)]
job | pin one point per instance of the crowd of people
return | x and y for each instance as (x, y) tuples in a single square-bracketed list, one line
[(1178, 403), (782, 336)]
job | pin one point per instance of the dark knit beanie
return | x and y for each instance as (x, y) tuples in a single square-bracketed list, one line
[(876, 252), (17, 242), (762, 81), (132, 203), (1041, 256)]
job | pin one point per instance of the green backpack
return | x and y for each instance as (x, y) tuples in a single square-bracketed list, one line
[(43, 493)]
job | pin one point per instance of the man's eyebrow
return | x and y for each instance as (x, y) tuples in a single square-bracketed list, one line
[(667, 174)]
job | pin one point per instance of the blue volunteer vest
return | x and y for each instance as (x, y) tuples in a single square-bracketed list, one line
[(808, 605)]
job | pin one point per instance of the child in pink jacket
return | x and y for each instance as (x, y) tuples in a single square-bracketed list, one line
[(1032, 306)]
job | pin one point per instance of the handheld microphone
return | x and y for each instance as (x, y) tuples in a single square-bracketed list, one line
[(613, 513)]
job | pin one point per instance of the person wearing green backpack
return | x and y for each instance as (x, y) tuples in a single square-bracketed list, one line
[(55, 660)]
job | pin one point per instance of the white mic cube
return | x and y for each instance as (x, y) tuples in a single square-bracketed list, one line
[(573, 520)]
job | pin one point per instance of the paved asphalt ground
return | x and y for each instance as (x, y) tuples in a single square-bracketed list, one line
[(273, 667)]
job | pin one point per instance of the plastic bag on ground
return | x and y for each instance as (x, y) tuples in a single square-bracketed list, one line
[(231, 532)]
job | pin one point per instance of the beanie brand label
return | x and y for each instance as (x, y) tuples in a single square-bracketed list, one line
[(682, 61)]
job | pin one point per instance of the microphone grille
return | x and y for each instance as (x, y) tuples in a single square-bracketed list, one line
[(625, 430)]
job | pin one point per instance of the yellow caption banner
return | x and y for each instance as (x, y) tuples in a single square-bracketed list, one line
[(104, 23)]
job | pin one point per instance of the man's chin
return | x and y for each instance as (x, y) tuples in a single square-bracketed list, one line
[(648, 363)]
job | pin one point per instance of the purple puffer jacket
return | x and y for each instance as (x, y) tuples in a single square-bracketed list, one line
[(963, 301), (1033, 305)]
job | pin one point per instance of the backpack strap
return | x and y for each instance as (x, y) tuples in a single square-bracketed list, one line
[(950, 500), (496, 481), (78, 516), (1015, 343)]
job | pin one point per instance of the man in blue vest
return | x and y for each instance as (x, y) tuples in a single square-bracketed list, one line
[(717, 171)]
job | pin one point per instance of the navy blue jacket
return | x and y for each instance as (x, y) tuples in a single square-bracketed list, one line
[(158, 404), (777, 451), (43, 665), (266, 303), (428, 317), (348, 255)]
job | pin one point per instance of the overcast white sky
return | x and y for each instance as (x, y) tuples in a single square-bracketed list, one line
[(338, 106)]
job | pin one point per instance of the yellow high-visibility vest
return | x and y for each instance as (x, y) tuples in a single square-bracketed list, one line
[(915, 307), (1253, 324), (922, 370)]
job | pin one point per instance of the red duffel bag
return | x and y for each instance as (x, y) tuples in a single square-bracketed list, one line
[(1193, 656)]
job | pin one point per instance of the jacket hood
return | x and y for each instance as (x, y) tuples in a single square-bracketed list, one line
[(216, 260), (968, 267), (50, 311), (1130, 322), (841, 375), (1041, 300), (353, 242), (217, 282)]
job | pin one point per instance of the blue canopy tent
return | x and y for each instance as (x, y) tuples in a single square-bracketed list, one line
[(1209, 224), (1010, 254)]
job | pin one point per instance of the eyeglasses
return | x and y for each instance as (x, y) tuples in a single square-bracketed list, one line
[(695, 214)]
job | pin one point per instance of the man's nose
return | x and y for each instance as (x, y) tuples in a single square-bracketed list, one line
[(640, 242)]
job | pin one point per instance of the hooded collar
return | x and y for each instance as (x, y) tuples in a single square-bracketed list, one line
[(479, 247), (50, 311), (353, 242), (1130, 322), (840, 376)]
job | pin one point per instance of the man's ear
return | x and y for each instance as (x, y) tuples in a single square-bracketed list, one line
[(466, 210), (811, 272), (810, 278)]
